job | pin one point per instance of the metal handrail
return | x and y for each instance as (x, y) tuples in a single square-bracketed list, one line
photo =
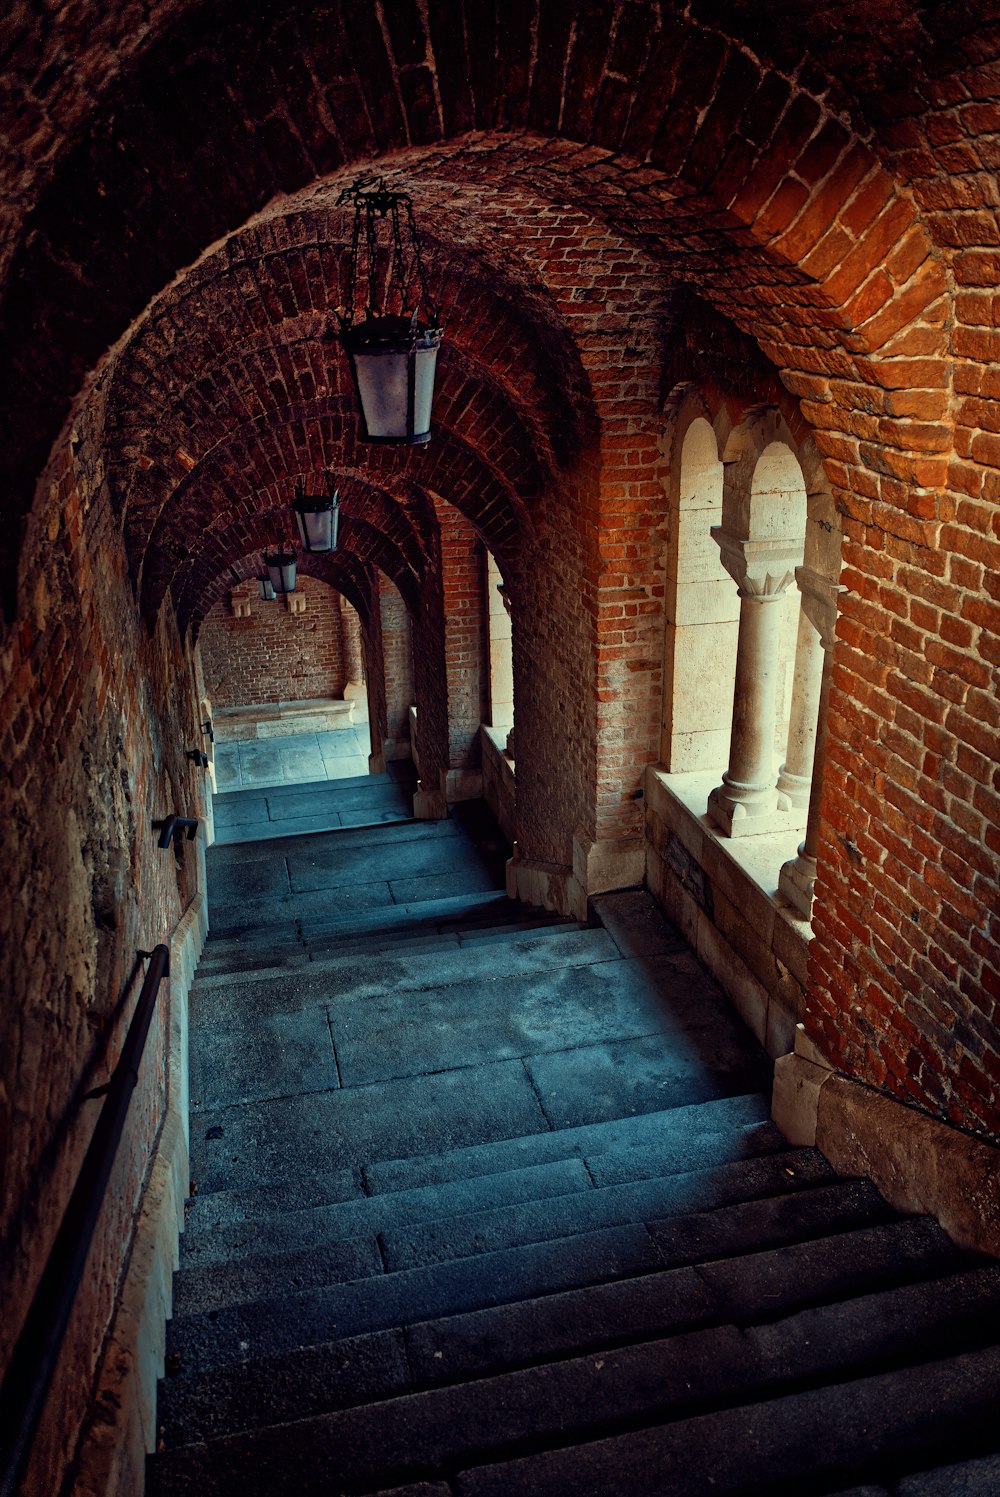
[(26, 1384)]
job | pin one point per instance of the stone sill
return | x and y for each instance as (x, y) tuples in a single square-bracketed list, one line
[(281, 719), (758, 857), (497, 739)]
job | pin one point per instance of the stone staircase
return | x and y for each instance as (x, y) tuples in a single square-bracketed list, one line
[(489, 1203)]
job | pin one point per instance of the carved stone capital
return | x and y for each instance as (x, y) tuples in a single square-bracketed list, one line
[(819, 602), (761, 569)]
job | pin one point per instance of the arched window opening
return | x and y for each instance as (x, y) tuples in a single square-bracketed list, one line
[(501, 659), (702, 614)]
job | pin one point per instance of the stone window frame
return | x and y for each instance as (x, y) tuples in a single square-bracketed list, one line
[(714, 507)]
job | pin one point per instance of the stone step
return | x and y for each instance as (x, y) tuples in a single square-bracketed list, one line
[(821, 1436), (658, 1380), (494, 1229), (451, 913), (420, 964), (239, 1261), (455, 1347), (397, 812), (259, 958), (242, 1333), (683, 1137), (677, 1141), (377, 921), (378, 832), (307, 786), (219, 1333), (464, 1201)]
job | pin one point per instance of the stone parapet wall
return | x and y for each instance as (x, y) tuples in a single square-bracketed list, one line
[(722, 896)]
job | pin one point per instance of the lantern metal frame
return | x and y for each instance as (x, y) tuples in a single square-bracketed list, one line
[(317, 504), (279, 564), (390, 331)]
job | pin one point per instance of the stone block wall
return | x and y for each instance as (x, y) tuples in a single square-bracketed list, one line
[(274, 655), (97, 717)]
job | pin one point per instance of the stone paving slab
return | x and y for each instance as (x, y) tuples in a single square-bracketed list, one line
[(261, 1054), (619, 1077), (637, 925), (268, 1141), (557, 1009), (278, 757)]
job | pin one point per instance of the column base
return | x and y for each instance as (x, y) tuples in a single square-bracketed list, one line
[(920, 1164), (608, 863), (549, 886), (463, 784), (797, 883), (738, 818), (429, 804), (793, 791)]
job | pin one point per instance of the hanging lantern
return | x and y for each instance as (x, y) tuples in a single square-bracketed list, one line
[(265, 588), (281, 570), (318, 517), (393, 350)]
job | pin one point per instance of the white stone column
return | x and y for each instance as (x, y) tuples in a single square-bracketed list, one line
[(797, 880), (795, 775), (762, 571)]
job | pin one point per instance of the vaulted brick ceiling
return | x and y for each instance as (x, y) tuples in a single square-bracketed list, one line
[(136, 139)]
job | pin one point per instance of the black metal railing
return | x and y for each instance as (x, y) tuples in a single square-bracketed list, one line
[(27, 1380)]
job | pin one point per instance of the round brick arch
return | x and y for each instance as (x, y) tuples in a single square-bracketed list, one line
[(676, 131), (233, 386), (342, 571), (363, 539)]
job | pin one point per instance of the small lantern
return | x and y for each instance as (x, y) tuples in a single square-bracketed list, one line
[(318, 517), (281, 570), (265, 588), (392, 351)]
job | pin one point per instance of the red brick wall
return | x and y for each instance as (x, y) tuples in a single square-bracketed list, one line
[(274, 655), (465, 635)]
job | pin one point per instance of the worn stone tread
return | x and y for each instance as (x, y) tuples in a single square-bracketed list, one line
[(242, 1332), (656, 1380), (676, 1132), (766, 1447), (644, 1200), (354, 1218)]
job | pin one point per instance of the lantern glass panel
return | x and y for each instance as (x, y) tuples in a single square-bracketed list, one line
[(281, 570), (318, 527), (266, 589)]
